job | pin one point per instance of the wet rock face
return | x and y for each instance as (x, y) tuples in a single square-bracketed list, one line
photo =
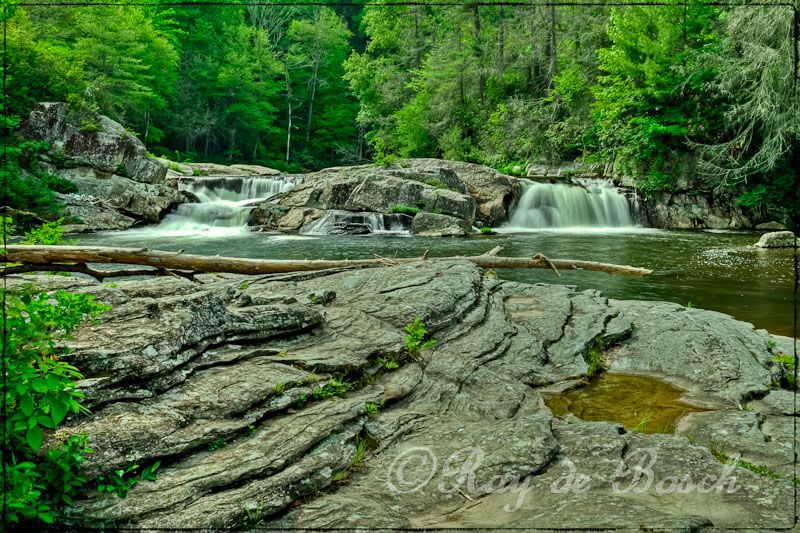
[(216, 379)]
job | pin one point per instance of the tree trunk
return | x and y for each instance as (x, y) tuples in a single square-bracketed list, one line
[(313, 94), (34, 256), (289, 102), (479, 54), (502, 39), (553, 50)]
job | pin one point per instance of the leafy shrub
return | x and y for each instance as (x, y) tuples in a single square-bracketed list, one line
[(40, 393), (50, 233), (487, 231)]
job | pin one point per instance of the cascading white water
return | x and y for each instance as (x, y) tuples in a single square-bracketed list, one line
[(224, 204), (357, 223), (583, 203)]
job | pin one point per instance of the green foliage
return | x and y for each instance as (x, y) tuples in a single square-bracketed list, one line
[(335, 388), (405, 210), (789, 365), (487, 231), (254, 519), (50, 233), (595, 357), (121, 481), (40, 393), (243, 286), (415, 340), (762, 470), (373, 408), (301, 402), (219, 443)]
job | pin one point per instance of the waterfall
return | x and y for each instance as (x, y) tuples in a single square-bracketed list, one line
[(224, 204), (357, 223), (582, 203)]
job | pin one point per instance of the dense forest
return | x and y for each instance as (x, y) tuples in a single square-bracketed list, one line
[(300, 88)]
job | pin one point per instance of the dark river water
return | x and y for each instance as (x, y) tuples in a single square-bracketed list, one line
[(712, 270)]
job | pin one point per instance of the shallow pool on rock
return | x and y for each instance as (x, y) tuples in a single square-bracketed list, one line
[(625, 399)]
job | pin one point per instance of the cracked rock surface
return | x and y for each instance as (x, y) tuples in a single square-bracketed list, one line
[(218, 384)]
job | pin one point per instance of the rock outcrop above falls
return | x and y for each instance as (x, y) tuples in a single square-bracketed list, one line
[(216, 379), (370, 189), (495, 193), (105, 162)]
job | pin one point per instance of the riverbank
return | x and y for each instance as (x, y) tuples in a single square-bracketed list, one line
[(217, 380)]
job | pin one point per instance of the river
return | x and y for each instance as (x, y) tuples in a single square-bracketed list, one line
[(712, 270)]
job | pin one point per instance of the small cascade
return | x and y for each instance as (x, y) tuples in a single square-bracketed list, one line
[(357, 223), (582, 203), (224, 204)]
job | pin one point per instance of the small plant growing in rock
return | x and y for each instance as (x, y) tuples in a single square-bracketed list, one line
[(389, 363), (415, 340), (689, 304), (487, 231), (788, 362), (279, 388), (243, 286), (373, 408), (121, 483), (335, 388), (219, 443), (301, 402), (595, 357), (251, 429), (492, 273), (254, 519), (771, 343), (121, 170)]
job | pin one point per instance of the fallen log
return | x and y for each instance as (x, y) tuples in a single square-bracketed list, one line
[(33, 257)]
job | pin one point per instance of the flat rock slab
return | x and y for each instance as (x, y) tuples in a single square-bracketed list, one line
[(217, 383)]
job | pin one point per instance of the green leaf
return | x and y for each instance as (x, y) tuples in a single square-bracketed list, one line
[(34, 438), (46, 421), (26, 405), (39, 385), (45, 517), (58, 410)]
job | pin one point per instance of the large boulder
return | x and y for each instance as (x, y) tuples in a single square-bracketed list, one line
[(112, 149), (776, 239), (434, 225), (374, 189), (494, 192), (217, 379)]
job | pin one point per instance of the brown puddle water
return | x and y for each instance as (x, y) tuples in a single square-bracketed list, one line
[(632, 401)]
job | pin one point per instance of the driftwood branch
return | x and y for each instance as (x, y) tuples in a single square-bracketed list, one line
[(172, 262)]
